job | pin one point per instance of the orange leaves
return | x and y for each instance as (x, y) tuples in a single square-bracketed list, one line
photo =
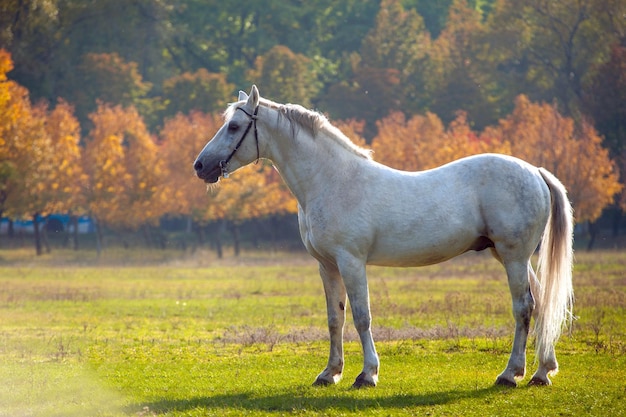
[(539, 134), (126, 178), (254, 191), (66, 177), (124, 169), (6, 64), (535, 132), (422, 142), (38, 151), (243, 196), (181, 139)]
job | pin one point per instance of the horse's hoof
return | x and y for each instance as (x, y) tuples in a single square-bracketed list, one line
[(363, 382), (505, 382), (538, 382), (320, 382)]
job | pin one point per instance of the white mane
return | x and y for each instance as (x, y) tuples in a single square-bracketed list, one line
[(312, 121)]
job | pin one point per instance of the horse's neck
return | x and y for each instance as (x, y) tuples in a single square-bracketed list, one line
[(306, 164)]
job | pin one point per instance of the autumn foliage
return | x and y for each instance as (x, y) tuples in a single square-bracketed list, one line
[(423, 142), (543, 137), (537, 133), (125, 177), (123, 168)]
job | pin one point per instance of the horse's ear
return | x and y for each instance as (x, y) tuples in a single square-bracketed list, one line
[(242, 96), (253, 100)]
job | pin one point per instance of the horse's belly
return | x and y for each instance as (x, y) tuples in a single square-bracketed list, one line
[(417, 253)]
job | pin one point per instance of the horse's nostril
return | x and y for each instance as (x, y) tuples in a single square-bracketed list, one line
[(198, 166)]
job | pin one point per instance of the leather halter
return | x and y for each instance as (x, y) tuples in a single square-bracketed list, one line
[(253, 117)]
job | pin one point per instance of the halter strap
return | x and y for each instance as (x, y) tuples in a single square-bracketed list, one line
[(253, 117)]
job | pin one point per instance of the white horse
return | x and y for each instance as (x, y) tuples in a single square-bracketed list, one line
[(354, 211)]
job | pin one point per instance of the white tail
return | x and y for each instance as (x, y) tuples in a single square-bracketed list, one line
[(554, 270)]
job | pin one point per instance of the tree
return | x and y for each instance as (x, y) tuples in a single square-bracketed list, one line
[(38, 155), (181, 139), (401, 143), (389, 72), (14, 109), (370, 93), (108, 78), (538, 133), (285, 76), (605, 103), (398, 42), (124, 170), (353, 129), (28, 32), (457, 77), (145, 197), (253, 192), (29, 194), (422, 142), (66, 179), (200, 91), (545, 49)]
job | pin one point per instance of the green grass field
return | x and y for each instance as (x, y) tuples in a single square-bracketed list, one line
[(159, 333)]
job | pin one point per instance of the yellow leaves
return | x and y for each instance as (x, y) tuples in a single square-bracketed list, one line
[(254, 191), (42, 145), (534, 132), (250, 193), (422, 142), (539, 134), (180, 140), (125, 177), (6, 64), (122, 161)]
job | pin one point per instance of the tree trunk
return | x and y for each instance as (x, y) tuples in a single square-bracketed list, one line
[(37, 236), (592, 236), (11, 229), (221, 225), (98, 236), (273, 230), (74, 222), (147, 235), (615, 224), (199, 229), (44, 236), (236, 239)]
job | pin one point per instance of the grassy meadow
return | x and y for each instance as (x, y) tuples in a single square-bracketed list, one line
[(165, 334)]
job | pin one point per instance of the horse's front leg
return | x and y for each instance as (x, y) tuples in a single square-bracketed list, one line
[(354, 277), (336, 306)]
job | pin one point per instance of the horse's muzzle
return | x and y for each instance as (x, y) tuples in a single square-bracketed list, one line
[(208, 173)]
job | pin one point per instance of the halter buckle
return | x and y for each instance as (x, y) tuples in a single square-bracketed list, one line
[(224, 169)]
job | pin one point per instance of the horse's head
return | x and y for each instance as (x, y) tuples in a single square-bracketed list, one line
[(235, 144)]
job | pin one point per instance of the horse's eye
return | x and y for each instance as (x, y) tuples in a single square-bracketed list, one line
[(233, 126)]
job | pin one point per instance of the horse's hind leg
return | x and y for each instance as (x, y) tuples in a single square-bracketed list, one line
[(335, 305), (547, 360), (547, 366), (523, 306)]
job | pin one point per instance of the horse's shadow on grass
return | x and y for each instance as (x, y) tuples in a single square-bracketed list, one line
[(309, 400)]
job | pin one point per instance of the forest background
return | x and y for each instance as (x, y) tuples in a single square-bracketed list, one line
[(105, 104)]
